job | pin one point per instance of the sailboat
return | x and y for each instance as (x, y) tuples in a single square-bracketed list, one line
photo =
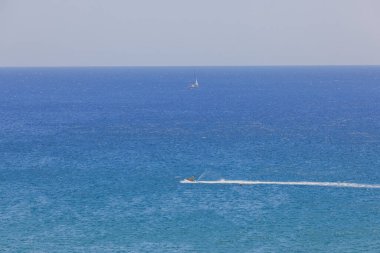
[(195, 84)]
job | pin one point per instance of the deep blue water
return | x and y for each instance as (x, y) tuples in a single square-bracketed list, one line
[(91, 159)]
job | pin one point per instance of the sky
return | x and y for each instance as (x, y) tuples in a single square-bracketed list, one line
[(189, 33)]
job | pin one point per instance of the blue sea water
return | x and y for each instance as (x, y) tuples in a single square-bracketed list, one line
[(91, 159)]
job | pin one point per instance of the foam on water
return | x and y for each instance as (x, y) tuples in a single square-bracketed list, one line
[(303, 183)]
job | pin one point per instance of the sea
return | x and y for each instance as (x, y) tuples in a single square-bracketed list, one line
[(91, 159)]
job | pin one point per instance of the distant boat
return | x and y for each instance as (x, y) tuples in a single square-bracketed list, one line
[(189, 180), (195, 84)]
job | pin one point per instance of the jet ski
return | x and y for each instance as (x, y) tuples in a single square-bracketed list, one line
[(189, 180)]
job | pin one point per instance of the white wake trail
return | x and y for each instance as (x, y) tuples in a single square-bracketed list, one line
[(303, 183)]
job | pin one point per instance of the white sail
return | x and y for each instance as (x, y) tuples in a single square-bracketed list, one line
[(195, 84)]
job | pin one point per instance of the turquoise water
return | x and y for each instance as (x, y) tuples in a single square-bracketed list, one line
[(91, 159)]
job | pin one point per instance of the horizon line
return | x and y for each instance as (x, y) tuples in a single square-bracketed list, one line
[(189, 66)]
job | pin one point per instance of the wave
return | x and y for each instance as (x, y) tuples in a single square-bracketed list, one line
[(301, 183)]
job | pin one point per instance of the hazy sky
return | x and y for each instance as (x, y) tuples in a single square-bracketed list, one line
[(193, 32)]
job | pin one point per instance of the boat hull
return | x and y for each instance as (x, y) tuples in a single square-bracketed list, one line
[(185, 181)]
